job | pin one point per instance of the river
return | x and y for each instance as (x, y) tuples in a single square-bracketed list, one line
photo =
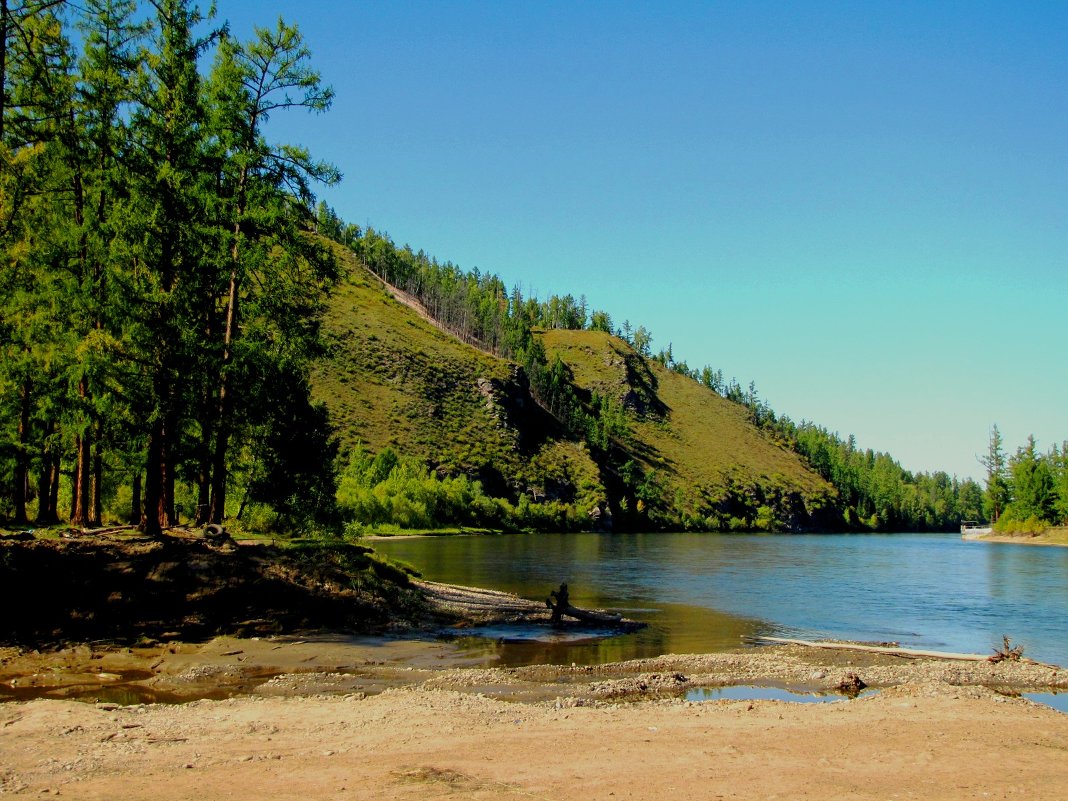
[(708, 592)]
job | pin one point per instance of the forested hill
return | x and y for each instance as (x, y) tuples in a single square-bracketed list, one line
[(674, 446), (171, 297), (578, 431)]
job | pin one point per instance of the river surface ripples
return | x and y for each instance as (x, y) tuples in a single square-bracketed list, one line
[(709, 592)]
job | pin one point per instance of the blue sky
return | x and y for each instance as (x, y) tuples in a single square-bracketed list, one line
[(863, 207)]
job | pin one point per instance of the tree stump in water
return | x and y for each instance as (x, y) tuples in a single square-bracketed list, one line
[(561, 606)]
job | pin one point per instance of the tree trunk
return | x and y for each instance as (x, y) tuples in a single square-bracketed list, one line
[(153, 518), (73, 487), (98, 480), (48, 479), (226, 401), (80, 511), (135, 499), (218, 472), (44, 478), (169, 472), (202, 513), (22, 462), (205, 456), (53, 495)]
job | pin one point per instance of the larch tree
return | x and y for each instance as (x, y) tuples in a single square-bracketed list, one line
[(164, 220), (262, 184)]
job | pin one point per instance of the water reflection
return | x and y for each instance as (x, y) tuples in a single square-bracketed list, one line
[(1058, 701), (709, 591), (757, 693)]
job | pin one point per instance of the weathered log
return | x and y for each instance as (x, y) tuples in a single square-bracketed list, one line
[(908, 653)]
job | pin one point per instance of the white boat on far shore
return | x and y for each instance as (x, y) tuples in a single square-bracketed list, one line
[(971, 530)]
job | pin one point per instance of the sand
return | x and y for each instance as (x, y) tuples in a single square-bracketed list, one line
[(404, 720)]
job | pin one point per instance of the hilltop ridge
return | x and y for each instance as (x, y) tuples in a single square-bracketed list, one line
[(673, 454)]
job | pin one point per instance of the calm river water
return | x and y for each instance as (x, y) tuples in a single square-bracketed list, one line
[(706, 592)]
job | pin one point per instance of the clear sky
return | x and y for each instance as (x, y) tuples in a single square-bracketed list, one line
[(860, 206)]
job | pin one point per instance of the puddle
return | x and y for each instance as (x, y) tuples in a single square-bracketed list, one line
[(512, 635), (1058, 701), (121, 688), (743, 692)]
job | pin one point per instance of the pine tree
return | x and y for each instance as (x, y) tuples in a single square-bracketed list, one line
[(1033, 491), (996, 495)]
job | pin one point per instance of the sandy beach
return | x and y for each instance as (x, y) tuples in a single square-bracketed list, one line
[(406, 720)]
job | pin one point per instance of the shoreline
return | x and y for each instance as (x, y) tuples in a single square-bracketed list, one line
[(1055, 537), (319, 714), (333, 663), (408, 720)]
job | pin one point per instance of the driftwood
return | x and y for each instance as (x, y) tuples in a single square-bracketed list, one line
[(218, 536), (491, 606), (562, 607), (908, 653), (477, 604)]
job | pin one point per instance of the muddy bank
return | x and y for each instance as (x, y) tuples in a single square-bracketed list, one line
[(337, 664), (128, 588)]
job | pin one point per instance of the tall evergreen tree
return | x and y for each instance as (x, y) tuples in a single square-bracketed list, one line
[(996, 495), (249, 84), (164, 229), (1033, 491)]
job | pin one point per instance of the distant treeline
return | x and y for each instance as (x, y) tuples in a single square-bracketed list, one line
[(1027, 491), (874, 491)]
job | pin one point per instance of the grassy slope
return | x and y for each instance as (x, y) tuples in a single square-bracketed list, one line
[(396, 380), (695, 436)]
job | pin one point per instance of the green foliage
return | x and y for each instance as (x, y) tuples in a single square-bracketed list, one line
[(139, 209), (1033, 489), (380, 489), (996, 496), (1030, 488), (1008, 523), (383, 493)]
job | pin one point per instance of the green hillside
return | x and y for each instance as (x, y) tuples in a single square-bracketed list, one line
[(393, 379), (712, 461), (683, 457)]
